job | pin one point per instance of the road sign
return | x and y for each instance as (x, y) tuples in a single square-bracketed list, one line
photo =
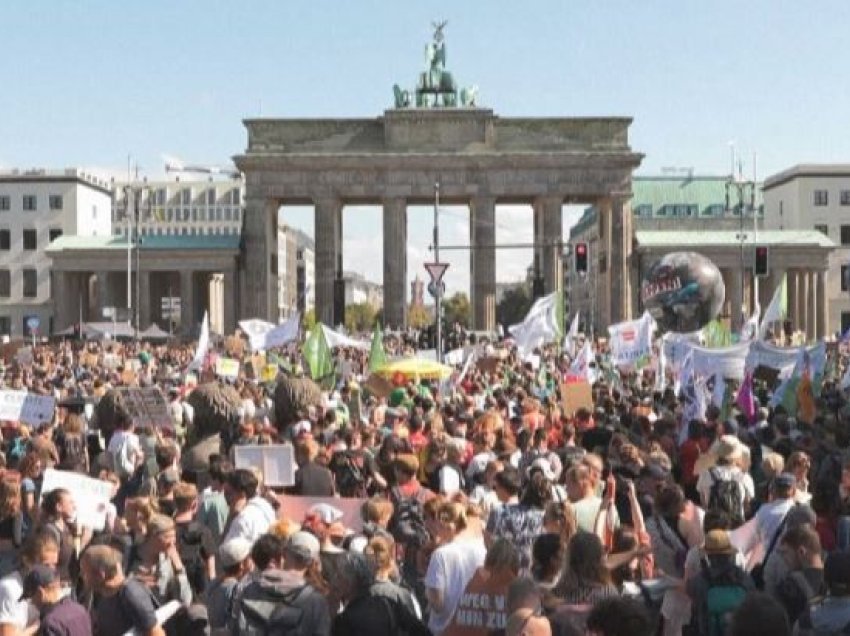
[(432, 289), (33, 323), (436, 271)]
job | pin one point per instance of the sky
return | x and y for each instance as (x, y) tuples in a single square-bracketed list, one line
[(88, 83)]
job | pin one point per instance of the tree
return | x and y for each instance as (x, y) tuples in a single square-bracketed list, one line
[(456, 309), (360, 317), (515, 303), (418, 317)]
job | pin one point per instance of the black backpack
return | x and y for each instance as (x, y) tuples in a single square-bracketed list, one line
[(407, 524), (347, 468), (265, 610), (726, 495), (189, 546)]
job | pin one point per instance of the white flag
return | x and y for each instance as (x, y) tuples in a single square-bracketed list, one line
[(282, 334), (256, 331), (777, 310), (540, 325), (580, 368), (719, 391), (750, 330), (631, 342), (203, 345), (572, 336)]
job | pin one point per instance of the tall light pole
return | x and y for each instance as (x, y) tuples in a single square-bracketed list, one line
[(438, 287), (737, 188)]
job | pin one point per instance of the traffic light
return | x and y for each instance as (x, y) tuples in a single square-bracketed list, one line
[(581, 258), (761, 260)]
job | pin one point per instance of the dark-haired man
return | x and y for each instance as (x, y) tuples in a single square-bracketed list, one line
[(250, 513)]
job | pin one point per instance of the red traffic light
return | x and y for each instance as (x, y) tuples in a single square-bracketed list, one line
[(581, 248)]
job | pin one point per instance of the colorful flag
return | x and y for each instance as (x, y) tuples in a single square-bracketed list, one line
[(572, 336), (581, 368), (717, 335), (631, 342), (200, 356), (806, 408), (745, 400), (377, 356), (750, 329)]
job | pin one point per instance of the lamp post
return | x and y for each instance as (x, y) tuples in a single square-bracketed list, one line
[(737, 189)]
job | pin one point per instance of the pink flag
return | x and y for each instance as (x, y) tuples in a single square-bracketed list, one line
[(745, 400)]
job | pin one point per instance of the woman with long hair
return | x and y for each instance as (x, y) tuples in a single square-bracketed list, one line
[(32, 474), (11, 524), (71, 445), (381, 550)]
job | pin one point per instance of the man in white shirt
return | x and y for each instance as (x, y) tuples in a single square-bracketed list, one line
[(17, 614), (728, 452), (251, 513)]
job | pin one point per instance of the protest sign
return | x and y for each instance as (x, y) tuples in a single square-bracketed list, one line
[(295, 508), (576, 395), (275, 462), (29, 408), (269, 373), (147, 406), (227, 368), (378, 386), (631, 342), (91, 496)]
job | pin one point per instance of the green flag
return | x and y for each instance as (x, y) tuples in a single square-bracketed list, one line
[(717, 335), (317, 353), (377, 356)]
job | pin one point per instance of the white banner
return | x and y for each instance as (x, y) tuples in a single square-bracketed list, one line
[(275, 462), (783, 359), (676, 347), (90, 495), (29, 408), (283, 334), (631, 342), (726, 361), (256, 331), (336, 339)]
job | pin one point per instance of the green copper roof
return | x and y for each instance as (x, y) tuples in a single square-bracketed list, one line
[(172, 242), (703, 192), (690, 238)]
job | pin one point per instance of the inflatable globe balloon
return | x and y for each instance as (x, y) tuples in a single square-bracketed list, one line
[(683, 291)]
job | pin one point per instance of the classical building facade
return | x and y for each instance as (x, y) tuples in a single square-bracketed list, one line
[(476, 157), (690, 213), (817, 197), (37, 207)]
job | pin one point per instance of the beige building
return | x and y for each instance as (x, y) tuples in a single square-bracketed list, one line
[(817, 197)]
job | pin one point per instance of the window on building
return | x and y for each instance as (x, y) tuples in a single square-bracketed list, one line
[(644, 209), (160, 196), (94, 213), (54, 233), (169, 215), (5, 240), (185, 214), (30, 203), (844, 198), (5, 283), (845, 280), (845, 321), (211, 196), (55, 202), (30, 283), (30, 240), (821, 197), (236, 214), (235, 196), (845, 234), (185, 231), (219, 214), (823, 228), (5, 203), (195, 214), (185, 196), (228, 215), (5, 326)]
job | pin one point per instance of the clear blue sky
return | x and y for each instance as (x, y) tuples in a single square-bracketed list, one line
[(87, 82)]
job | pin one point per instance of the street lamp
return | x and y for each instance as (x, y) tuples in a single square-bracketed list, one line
[(737, 188)]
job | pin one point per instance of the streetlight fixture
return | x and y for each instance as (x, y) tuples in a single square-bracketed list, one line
[(741, 190)]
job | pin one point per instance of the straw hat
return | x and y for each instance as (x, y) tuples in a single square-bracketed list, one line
[(727, 447)]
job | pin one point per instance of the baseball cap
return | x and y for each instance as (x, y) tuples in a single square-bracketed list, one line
[(303, 545), (326, 513), (39, 576), (302, 428), (785, 480), (542, 464), (234, 551)]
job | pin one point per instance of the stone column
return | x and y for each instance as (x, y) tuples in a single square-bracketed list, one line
[(258, 297), (63, 291), (229, 297), (792, 298), (602, 293), (823, 317), (188, 317), (103, 296), (328, 229), (482, 232), (620, 253), (548, 230), (144, 299), (395, 262)]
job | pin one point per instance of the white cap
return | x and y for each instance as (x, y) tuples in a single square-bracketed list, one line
[(302, 427), (542, 464)]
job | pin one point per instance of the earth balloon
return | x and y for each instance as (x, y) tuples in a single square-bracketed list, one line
[(683, 291)]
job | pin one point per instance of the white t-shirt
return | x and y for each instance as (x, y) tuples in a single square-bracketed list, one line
[(13, 611), (125, 449), (451, 567), (252, 522), (449, 481)]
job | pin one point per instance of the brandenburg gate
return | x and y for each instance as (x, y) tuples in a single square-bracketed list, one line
[(478, 158)]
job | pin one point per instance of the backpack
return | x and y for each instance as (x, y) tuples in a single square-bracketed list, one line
[(407, 524), (348, 474), (72, 453), (189, 546), (722, 599), (264, 610), (726, 495)]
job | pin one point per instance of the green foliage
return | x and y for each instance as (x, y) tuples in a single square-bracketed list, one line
[(418, 317), (514, 305), (456, 308), (360, 317), (309, 319)]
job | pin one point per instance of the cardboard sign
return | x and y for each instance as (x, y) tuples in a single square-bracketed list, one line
[(147, 406), (91, 495), (576, 395), (378, 386), (276, 462), (489, 364), (295, 508), (227, 368), (29, 408)]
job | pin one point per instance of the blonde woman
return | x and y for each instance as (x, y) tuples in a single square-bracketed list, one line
[(452, 564), (381, 551)]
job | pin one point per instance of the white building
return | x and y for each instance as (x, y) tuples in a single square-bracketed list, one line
[(817, 197), (296, 271), (306, 285), (36, 207), (359, 290), (180, 207)]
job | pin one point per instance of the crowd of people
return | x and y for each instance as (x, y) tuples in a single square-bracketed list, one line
[(483, 505)]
